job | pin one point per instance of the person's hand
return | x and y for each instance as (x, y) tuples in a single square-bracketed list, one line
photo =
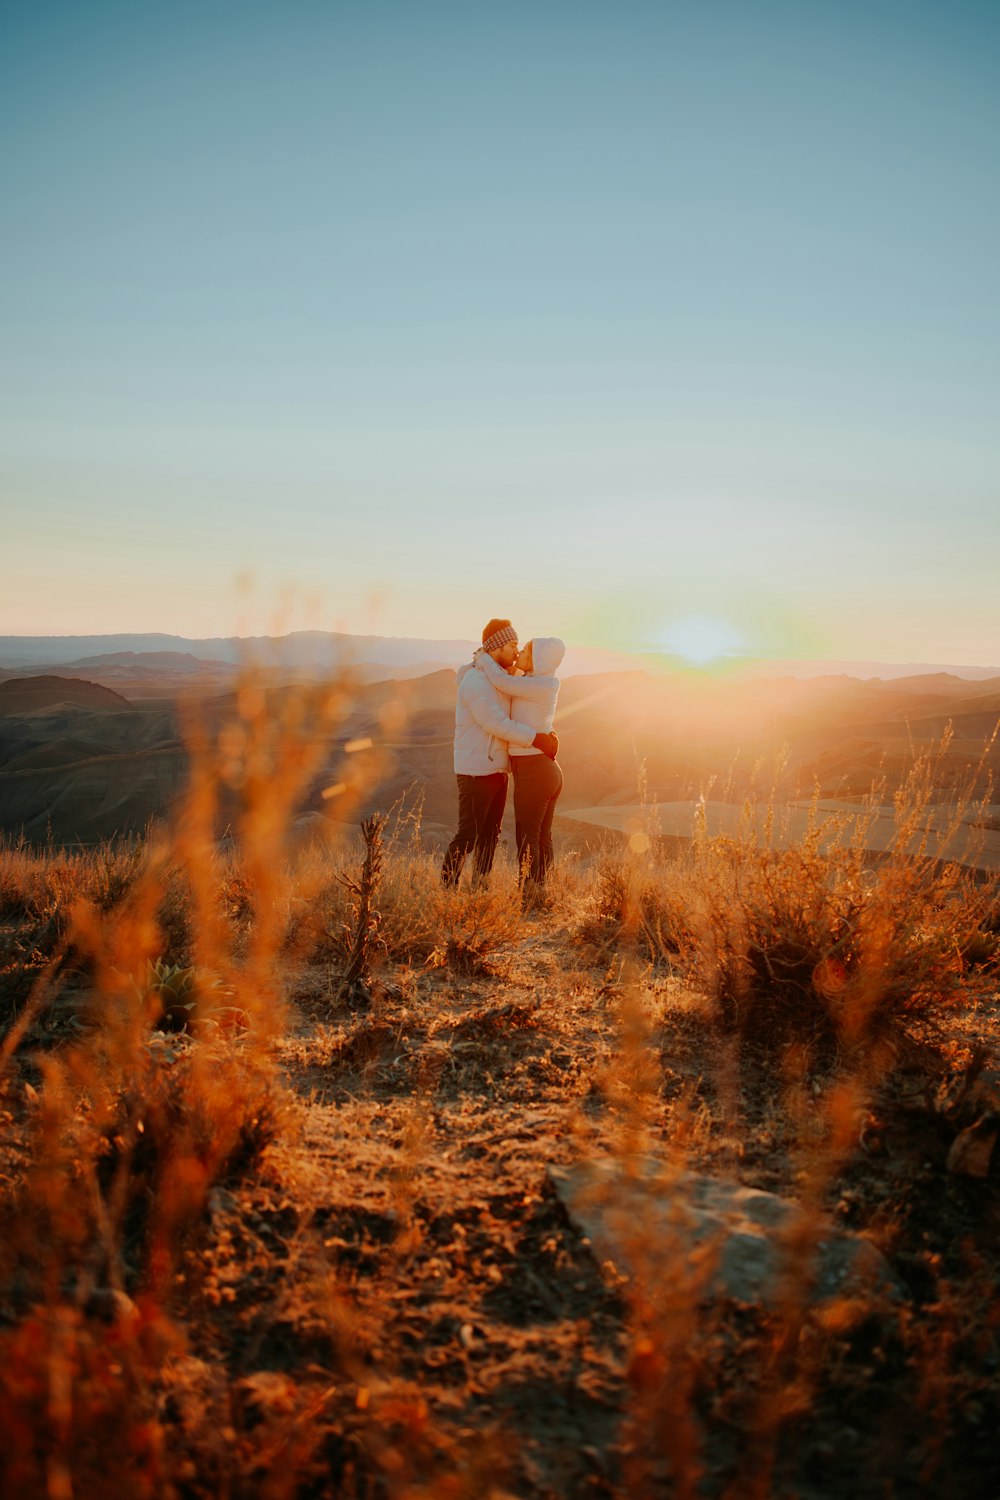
[(548, 744)]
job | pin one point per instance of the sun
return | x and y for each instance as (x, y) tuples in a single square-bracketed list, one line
[(701, 638)]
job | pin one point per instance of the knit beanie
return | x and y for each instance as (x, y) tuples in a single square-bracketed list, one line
[(500, 638), (547, 651)]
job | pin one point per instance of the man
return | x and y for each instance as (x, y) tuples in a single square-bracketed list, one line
[(483, 730)]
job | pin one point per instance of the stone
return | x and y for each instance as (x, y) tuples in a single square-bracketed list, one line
[(715, 1237), (222, 1204), (965, 1097), (112, 1306), (984, 1092), (972, 1149)]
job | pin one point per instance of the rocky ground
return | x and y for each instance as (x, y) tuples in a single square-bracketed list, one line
[(397, 1297)]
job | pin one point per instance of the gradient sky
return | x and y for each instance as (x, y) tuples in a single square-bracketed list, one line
[(643, 323)]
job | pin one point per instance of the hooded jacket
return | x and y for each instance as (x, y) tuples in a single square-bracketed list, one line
[(533, 698), (483, 726)]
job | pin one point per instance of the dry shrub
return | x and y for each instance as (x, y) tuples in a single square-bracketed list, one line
[(411, 885), (818, 938), (111, 1183), (413, 918), (128, 1130), (175, 917), (468, 930), (112, 870), (420, 921), (424, 922), (42, 880), (611, 908), (38, 890), (41, 893), (630, 901), (232, 894), (123, 1146)]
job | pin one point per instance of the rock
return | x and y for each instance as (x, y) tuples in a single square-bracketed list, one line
[(984, 1092), (111, 1306), (728, 1240), (222, 1204), (966, 1096), (972, 1148)]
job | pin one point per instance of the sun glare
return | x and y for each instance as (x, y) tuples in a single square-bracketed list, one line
[(701, 638)]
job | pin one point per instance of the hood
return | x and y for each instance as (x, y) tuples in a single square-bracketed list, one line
[(547, 651)]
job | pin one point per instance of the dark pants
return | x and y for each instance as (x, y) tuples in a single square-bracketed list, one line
[(481, 801), (537, 784)]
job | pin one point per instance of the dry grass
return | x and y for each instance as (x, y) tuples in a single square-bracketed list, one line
[(815, 940), (420, 922), (303, 1248)]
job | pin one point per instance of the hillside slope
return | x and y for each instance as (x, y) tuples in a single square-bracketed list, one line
[(36, 695), (80, 760)]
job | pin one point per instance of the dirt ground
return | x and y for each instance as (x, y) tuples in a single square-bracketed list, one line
[(400, 1297)]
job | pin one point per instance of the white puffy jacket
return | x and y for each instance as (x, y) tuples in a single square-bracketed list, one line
[(483, 726), (533, 698)]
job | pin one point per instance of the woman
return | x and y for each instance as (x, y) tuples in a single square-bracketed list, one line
[(537, 779)]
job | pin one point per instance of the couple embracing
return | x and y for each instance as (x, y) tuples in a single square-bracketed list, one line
[(503, 724)]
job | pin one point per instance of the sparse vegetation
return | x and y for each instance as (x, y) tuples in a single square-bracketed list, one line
[(360, 939), (816, 940), (257, 1239)]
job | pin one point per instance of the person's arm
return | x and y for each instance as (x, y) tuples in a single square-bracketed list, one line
[(535, 689), (487, 713), (530, 688)]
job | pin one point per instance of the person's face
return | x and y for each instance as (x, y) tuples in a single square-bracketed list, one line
[(506, 655), (525, 660)]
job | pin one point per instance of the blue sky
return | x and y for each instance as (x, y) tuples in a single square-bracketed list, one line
[(610, 317)]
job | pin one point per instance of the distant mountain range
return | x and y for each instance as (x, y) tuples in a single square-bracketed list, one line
[(146, 666), (326, 650), (215, 660)]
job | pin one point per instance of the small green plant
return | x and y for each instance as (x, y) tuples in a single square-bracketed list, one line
[(180, 998)]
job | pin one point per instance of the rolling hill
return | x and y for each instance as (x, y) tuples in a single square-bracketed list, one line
[(81, 761), (50, 695)]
